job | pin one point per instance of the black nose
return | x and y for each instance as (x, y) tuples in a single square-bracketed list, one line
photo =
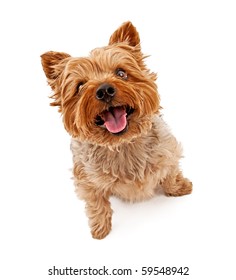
[(105, 92)]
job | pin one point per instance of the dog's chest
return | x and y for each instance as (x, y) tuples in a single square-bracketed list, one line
[(128, 163)]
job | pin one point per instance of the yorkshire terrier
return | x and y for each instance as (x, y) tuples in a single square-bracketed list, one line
[(111, 107)]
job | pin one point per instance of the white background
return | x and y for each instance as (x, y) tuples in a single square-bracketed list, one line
[(193, 50)]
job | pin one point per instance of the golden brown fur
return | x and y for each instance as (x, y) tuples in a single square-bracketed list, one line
[(120, 144)]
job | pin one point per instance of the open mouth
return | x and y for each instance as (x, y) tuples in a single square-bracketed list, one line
[(114, 119)]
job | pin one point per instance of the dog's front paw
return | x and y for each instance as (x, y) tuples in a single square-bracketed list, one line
[(100, 215), (101, 229)]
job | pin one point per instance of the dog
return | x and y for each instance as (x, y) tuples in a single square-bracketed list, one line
[(110, 106)]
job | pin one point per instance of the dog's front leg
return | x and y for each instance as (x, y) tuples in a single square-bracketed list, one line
[(98, 206), (99, 213)]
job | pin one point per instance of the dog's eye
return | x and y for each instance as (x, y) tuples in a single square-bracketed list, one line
[(79, 86), (122, 74)]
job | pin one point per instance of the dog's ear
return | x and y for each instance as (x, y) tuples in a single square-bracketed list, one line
[(125, 33), (53, 64)]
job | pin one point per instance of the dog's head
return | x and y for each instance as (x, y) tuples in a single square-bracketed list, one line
[(108, 97)]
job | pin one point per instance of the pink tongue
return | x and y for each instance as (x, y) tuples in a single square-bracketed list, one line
[(115, 121)]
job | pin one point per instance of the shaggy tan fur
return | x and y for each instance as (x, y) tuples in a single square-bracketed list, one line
[(121, 146)]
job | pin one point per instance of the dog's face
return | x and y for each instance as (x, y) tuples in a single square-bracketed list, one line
[(108, 97)]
